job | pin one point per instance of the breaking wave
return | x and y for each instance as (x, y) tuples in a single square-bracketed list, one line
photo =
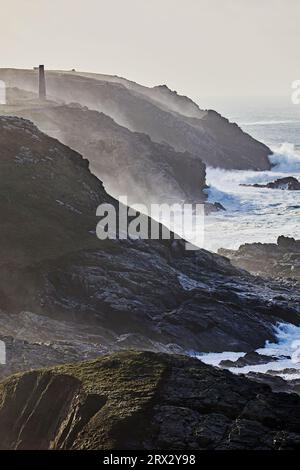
[(253, 214), (286, 158), (284, 355), (228, 200)]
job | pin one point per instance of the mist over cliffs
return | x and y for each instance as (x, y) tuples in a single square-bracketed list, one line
[(148, 294), (66, 296), (129, 163), (162, 114)]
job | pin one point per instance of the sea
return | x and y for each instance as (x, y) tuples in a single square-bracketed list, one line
[(256, 214)]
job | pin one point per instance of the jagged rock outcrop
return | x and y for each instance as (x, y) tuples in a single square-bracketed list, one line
[(251, 358), (277, 384), (289, 183), (144, 401), (158, 112), (281, 260), (148, 294)]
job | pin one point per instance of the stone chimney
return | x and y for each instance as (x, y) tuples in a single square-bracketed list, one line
[(42, 83)]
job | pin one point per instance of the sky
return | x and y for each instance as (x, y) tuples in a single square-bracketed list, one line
[(198, 47)]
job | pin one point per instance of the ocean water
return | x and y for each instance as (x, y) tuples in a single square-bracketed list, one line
[(259, 215), (255, 214)]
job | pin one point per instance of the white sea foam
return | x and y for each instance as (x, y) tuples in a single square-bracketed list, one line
[(253, 214), (214, 359), (286, 158), (283, 355)]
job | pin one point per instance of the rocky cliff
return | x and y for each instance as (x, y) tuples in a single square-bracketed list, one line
[(129, 163), (289, 183), (64, 293), (162, 114), (279, 260), (144, 400)]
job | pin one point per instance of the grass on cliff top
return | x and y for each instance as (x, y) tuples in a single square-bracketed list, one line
[(126, 384), (124, 372)]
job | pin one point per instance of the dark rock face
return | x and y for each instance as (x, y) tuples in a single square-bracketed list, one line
[(122, 293), (158, 112), (281, 260), (288, 184), (277, 384), (213, 207), (144, 400)]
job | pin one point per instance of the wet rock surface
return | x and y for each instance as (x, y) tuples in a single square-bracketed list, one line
[(144, 400), (277, 384), (250, 359)]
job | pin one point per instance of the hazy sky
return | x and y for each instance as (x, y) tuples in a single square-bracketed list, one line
[(198, 47)]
